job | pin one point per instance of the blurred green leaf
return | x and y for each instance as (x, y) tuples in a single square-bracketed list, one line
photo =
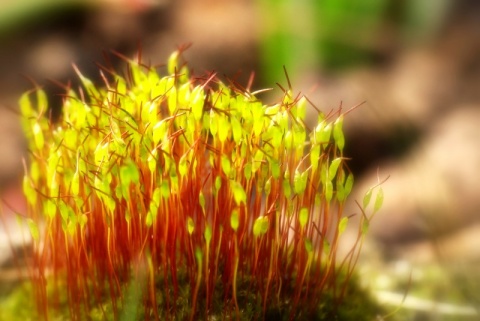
[(367, 198), (208, 233), (308, 246), (172, 65), (303, 217), (172, 100), (226, 165), (338, 133), (342, 225), (328, 191), (300, 182), (190, 225), (239, 194), (332, 170), (234, 219), (32, 226), (197, 99), (260, 226), (378, 200), (348, 184)]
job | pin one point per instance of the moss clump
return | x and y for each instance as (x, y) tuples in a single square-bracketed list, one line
[(356, 305), (196, 189)]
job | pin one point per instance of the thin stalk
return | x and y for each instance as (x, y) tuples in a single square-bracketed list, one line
[(235, 269), (198, 256), (151, 282)]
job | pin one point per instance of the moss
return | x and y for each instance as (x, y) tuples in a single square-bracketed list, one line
[(181, 197), (18, 304), (358, 305)]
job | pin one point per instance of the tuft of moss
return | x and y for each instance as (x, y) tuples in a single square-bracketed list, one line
[(157, 193)]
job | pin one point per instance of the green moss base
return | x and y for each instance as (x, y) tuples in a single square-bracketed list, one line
[(19, 304)]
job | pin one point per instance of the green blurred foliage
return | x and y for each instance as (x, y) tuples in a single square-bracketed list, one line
[(15, 14), (338, 34)]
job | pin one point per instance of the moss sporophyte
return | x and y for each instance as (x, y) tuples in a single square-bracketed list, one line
[(174, 197)]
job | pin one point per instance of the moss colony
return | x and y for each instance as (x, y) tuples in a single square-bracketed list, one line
[(174, 197)]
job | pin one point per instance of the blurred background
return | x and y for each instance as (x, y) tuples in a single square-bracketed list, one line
[(416, 64)]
